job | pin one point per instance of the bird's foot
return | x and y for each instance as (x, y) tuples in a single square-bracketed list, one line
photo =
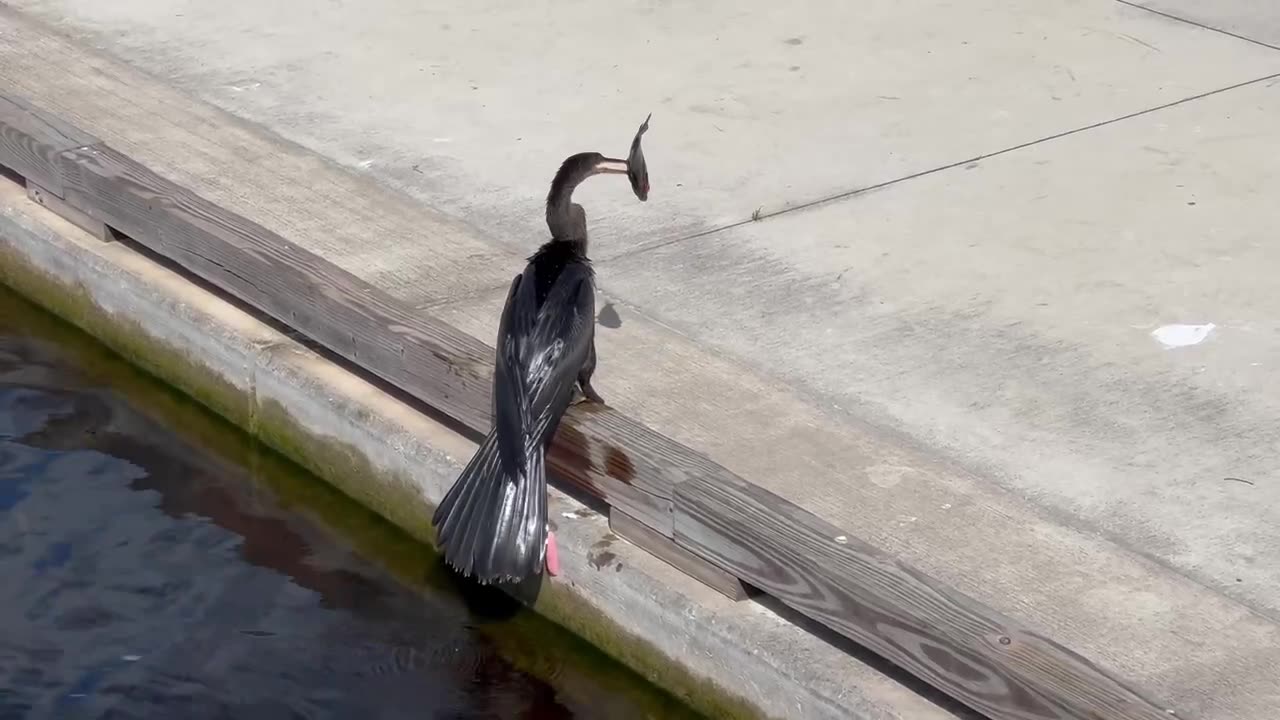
[(553, 555), (586, 393)]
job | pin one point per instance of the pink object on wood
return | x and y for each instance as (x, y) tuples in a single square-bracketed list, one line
[(553, 557)]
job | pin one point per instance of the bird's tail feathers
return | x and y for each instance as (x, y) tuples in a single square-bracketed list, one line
[(492, 524)]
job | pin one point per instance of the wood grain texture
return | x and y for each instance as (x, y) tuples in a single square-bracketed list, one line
[(30, 142), (337, 309), (597, 449), (950, 641), (640, 535)]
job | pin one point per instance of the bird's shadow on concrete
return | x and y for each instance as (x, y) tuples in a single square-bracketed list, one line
[(608, 317)]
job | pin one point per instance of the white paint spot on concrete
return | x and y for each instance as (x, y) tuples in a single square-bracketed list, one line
[(442, 140), (244, 85), (365, 163), (1176, 336), (887, 476), (946, 506), (841, 539)]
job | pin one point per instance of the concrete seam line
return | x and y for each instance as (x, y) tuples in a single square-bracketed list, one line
[(941, 168), (1200, 25)]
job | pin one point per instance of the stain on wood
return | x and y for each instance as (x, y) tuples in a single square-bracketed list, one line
[(571, 464), (966, 650), (656, 463), (618, 465), (575, 448), (640, 535)]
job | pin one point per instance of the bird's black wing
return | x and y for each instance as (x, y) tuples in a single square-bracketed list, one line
[(558, 347), (511, 397), (541, 351)]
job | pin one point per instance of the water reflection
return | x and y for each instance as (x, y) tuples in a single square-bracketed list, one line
[(153, 568)]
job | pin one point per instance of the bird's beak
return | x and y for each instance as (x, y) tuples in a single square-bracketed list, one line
[(637, 171), (610, 165)]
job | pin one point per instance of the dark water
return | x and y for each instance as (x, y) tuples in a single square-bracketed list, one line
[(154, 564)]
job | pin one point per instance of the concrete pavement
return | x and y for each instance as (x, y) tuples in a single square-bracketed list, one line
[(959, 365)]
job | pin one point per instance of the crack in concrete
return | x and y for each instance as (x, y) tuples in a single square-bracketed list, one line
[(761, 216), (1195, 23)]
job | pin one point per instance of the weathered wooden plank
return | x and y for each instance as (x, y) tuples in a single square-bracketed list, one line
[(436, 363), (639, 534), (633, 453), (334, 307), (950, 641), (572, 461), (31, 140), (337, 309), (61, 208)]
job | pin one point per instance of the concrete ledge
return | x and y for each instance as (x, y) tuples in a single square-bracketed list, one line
[(728, 660)]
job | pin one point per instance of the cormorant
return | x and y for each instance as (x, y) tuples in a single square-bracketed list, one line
[(492, 524)]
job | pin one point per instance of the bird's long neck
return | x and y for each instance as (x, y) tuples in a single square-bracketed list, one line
[(566, 219)]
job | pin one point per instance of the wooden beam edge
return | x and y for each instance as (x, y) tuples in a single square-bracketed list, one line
[(663, 548), (963, 648), (102, 190)]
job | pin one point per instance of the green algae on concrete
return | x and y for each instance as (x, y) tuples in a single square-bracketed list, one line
[(559, 604), (71, 302), (346, 468), (391, 523)]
